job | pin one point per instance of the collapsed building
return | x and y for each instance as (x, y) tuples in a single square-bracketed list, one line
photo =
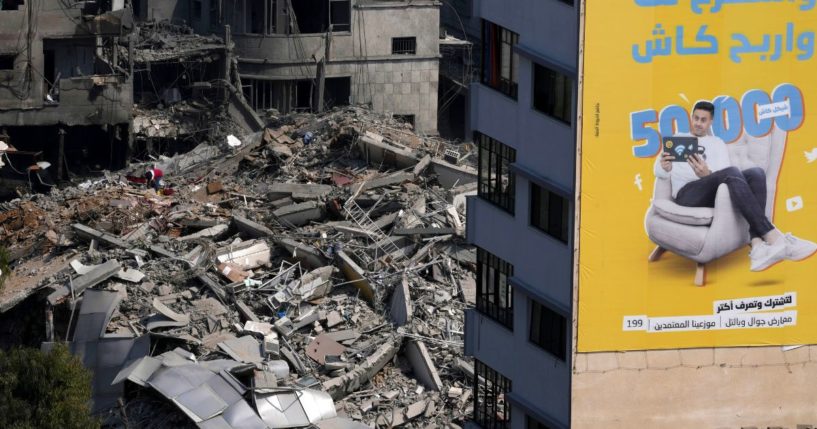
[(297, 56), (86, 90), (313, 273), (63, 83), (301, 269)]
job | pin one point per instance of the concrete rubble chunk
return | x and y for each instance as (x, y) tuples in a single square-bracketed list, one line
[(424, 162), (299, 214), (102, 237), (423, 366), (392, 179), (341, 386), (246, 312), (401, 310), (253, 229), (211, 232), (247, 255), (323, 346), (232, 272), (97, 275), (165, 318), (243, 349), (127, 274), (306, 190), (308, 255)]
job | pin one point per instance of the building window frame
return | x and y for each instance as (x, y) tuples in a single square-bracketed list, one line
[(344, 21), (494, 291), (552, 93), (241, 19), (404, 45), (548, 329), (491, 397), (500, 62), (496, 181), (549, 212)]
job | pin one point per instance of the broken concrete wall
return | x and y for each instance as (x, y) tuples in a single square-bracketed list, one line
[(396, 83), (197, 14), (422, 365), (105, 99)]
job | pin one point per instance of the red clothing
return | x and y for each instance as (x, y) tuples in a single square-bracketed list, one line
[(156, 174)]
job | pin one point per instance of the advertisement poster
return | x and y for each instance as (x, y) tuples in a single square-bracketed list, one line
[(664, 258)]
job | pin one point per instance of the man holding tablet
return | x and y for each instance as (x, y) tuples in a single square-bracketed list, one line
[(696, 174)]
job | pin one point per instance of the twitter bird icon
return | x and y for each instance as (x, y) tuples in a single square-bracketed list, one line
[(811, 156)]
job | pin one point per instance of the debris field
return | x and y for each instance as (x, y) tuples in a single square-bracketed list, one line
[(314, 273)]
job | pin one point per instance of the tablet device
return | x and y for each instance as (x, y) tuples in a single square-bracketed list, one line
[(681, 147)]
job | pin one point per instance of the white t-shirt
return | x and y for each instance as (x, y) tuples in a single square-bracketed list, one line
[(716, 157)]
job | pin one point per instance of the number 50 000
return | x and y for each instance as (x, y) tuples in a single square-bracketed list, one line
[(755, 114)]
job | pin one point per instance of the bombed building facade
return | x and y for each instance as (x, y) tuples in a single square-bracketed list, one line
[(64, 81), (312, 55)]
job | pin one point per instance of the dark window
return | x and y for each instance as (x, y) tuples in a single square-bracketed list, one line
[(494, 294), (214, 15), (272, 16), (338, 91), (11, 4), (532, 423), (315, 16), (496, 182), (549, 212), (255, 17), (7, 62), (548, 330), (406, 119), (552, 93), (340, 15), (404, 45), (499, 61), (197, 9), (567, 2), (247, 16), (491, 408)]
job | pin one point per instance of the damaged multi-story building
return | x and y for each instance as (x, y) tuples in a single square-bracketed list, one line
[(315, 54), (65, 91)]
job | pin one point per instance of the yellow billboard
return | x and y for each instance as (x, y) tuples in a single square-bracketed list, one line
[(698, 176)]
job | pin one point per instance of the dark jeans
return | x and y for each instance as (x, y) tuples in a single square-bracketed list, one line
[(747, 189)]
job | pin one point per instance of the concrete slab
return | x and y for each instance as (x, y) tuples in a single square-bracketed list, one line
[(299, 214), (424, 369), (401, 310)]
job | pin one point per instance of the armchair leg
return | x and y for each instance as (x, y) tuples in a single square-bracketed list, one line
[(700, 275), (656, 254)]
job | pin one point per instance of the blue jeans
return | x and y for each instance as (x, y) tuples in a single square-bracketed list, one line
[(747, 189), (158, 184)]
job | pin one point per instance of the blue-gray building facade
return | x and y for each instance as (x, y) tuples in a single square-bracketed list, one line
[(523, 117)]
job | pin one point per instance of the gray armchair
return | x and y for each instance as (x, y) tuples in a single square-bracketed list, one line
[(704, 234)]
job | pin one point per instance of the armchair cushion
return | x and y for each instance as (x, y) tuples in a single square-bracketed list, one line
[(685, 215)]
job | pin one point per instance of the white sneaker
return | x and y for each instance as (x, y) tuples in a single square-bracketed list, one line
[(798, 249), (765, 255)]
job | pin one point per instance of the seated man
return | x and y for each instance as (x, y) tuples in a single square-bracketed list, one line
[(695, 183)]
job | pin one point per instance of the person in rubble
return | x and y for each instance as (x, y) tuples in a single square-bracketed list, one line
[(154, 177)]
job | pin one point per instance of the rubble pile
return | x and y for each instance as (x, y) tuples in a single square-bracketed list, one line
[(313, 273)]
